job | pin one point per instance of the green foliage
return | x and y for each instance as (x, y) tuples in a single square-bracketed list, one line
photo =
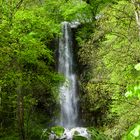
[(95, 134), (137, 67), (133, 133), (133, 92), (76, 11), (57, 131), (108, 57), (73, 10), (27, 65), (9, 138)]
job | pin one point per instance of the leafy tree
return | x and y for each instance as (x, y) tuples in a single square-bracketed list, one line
[(27, 72), (108, 57)]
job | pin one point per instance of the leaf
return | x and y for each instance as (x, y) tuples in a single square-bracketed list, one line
[(128, 94), (135, 131), (137, 67)]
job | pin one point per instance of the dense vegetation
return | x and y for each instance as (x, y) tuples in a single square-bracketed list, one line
[(108, 42)]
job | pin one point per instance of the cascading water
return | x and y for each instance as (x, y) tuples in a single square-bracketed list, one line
[(68, 90), (68, 97)]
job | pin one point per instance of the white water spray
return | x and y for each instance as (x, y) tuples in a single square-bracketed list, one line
[(68, 91)]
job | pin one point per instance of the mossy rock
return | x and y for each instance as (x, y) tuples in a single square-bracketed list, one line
[(76, 133), (79, 138), (58, 130)]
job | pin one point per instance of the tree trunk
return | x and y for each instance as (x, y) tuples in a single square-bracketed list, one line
[(20, 115)]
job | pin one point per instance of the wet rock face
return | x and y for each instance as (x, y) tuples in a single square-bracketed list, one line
[(74, 24)]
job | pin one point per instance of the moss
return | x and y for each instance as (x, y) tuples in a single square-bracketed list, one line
[(58, 130), (79, 138)]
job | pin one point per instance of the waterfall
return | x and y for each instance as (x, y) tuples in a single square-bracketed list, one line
[(68, 90)]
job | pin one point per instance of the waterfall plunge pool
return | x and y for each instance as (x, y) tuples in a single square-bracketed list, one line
[(77, 133), (60, 133), (70, 134)]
